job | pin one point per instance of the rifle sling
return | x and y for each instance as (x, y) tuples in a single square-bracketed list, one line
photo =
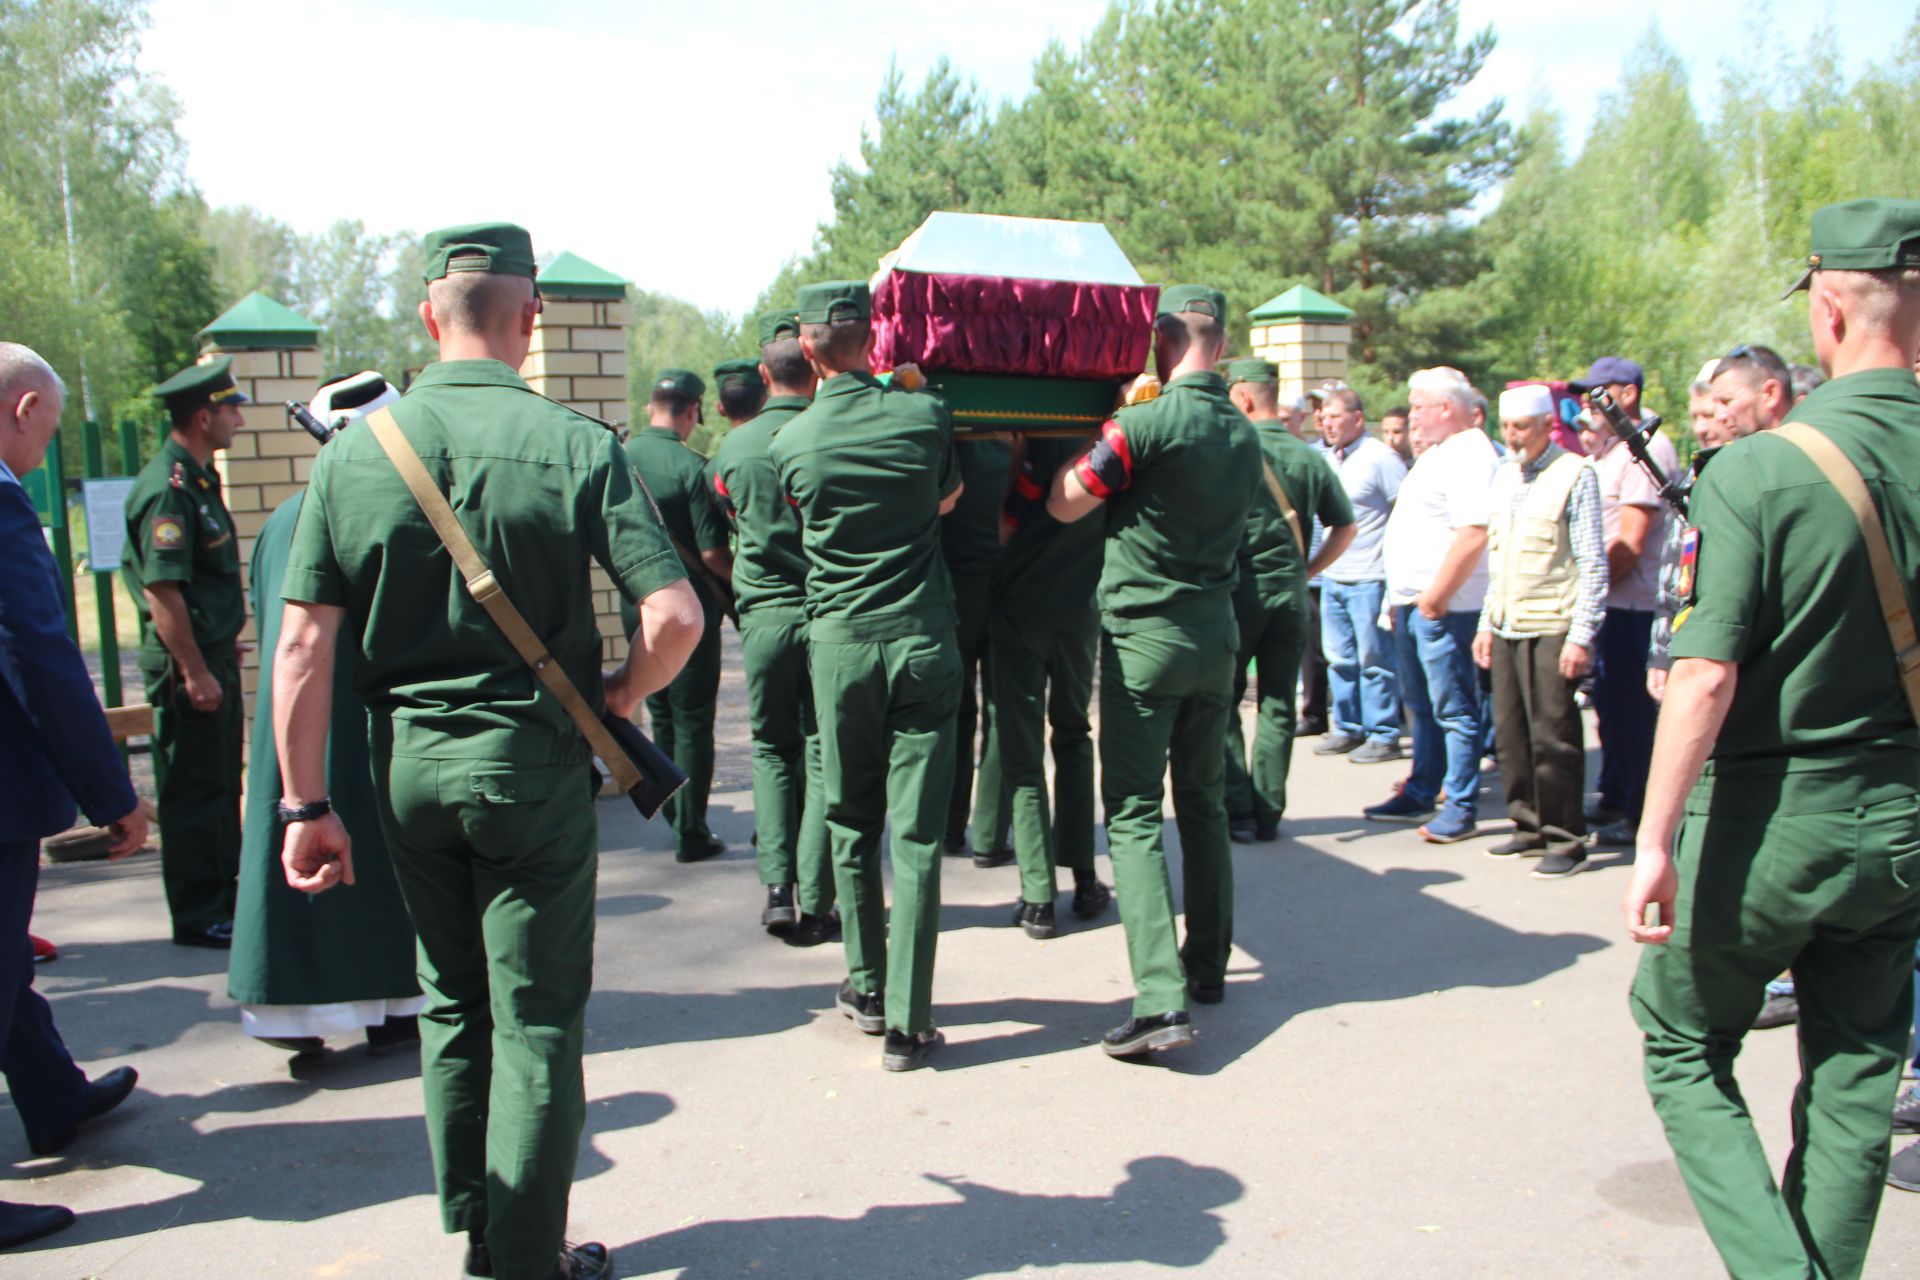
[(1279, 493), (487, 593)]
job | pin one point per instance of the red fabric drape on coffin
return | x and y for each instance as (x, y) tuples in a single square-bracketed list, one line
[(994, 324)]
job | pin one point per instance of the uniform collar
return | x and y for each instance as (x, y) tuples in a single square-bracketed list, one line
[(668, 432), (469, 373), (785, 402), (841, 384), (183, 456), (1898, 384)]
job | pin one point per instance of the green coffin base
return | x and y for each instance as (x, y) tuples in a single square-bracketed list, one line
[(987, 402)]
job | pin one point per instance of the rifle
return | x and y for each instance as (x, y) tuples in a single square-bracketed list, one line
[(1636, 435), (300, 416)]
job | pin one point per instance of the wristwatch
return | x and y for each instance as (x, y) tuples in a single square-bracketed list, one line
[(290, 814)]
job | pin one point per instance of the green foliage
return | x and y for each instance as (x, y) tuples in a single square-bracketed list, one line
[(670, 334)]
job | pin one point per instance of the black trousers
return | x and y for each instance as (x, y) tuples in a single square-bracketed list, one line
[(48, 1091), (1539, 740), (1313, 665)]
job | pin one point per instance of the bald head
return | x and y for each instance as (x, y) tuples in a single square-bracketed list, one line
[(31, 397), (1864, 319), (478, 315), (22, 369)]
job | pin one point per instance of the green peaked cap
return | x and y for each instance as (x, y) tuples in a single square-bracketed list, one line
[(835, 300), (1204, 299), (679, 382), (1875, 234), (731, 371), (1252, 369), (500, 248), (775, 325), (210, 381)]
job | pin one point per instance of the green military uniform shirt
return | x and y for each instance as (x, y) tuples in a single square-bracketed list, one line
[(865, 465), (769, 564), (1271, 561), (178, 530), (432, 660), (1779, 577), (1172, 540), (970, 533), (1047, 567), (677, 478)]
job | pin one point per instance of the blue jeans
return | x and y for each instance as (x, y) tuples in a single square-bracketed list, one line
[(1624, 708), (1361, 690), (1444, 704)]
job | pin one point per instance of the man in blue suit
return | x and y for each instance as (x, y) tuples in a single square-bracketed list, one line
[(58, 751)]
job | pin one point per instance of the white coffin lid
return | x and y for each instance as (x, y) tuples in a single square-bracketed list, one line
[(991, 244)]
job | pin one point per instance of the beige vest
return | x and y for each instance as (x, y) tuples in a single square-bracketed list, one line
[(1533, 581)]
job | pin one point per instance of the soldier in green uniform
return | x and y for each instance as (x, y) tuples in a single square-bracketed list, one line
[(871, 471), (682, 713), (1270, 601), (770, 586), (1787, 738), (183, 571), (484, 783), (1043, 632), (970, 543), (1176, 475)]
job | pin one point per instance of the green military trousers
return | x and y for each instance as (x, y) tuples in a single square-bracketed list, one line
[(972, 599), (1833, 894), (681, 716), (496, 862), (196, 776), (886, 753), (788, 816), (1164, 701), (1273, 639), (1042, 678)]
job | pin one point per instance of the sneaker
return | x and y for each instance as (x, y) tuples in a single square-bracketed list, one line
[(1906, 1111), (1090, 898), (908, 1053), (869, 1012), (1375, 753), (1337, 744), (1136, 1036), (1555, 866), (779, 909), (1448, 829), (1783, 1011), (1036, 918), (1618, 834), (1398, 807), (1517, 847), (1903, 1171)]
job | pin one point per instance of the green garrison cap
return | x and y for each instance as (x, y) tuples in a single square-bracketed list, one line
[(1204, 299), (730, 371), (775, 325), (496, 247), (1862, 235), (679, 382), (835, 300), (212, 381), (1252, 369)]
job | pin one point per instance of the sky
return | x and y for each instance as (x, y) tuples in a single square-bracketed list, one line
[(616, 129)]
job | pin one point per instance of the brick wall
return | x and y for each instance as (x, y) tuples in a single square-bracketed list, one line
[(1308, 354)]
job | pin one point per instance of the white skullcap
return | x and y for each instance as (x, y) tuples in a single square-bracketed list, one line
[(1531, 400), (344, 400)]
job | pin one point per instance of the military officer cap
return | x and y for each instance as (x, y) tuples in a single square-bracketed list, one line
[(1862, 235), (679, 382), (775, 325), (1202, 299), (1252, 369), (211, 382), (835, 300), (499, 248), (728, 372)]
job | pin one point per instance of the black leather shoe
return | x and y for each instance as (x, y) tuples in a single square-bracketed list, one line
[(908, 1053), (993, 857), (1241, 832), (954, 847), (298, 1046), (1207, 992), (215, 937), (20, 1223), (103, 1095), (700, 853), (779, 909), (577, 1262), (869, 1012), (393, 1035), (1090, 898), (814, 930), (1036, 918), (1136, 1036)]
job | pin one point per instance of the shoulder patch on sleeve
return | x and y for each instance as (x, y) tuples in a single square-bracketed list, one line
[(167, 533), (1689, 575)]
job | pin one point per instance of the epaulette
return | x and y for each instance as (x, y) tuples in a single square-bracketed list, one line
[(602, 423), (179, 477)]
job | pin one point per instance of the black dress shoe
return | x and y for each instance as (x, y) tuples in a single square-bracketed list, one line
[(1136, 1036), (215, 937), (779, 909), (1310, 727), (993, 857), (393, 1035), (20, 1223), (909, 1053), (298, 1046), (103, 1095), (954, 847), (869, 1011), (577, 1262), (1090, 898), (1207, 992), (1036, 918), (814, 930), (1242, 831), (713, 847)]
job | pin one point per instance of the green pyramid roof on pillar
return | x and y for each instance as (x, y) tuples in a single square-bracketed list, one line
[(258, 321), (572, 276), (1302, 303)]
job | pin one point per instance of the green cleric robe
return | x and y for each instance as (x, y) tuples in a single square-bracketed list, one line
[(357, 942)]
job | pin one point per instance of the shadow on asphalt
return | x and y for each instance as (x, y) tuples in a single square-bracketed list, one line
[(1158, 1214), (286, 1171), (619, 1020)]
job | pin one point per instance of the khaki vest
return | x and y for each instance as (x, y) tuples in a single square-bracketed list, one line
[(1533, 581)]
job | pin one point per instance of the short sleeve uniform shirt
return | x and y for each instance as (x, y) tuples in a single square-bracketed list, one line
[(178, 530)]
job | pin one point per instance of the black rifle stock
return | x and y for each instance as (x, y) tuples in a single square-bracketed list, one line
[(660, 777), (300, 416), (1635, 435)]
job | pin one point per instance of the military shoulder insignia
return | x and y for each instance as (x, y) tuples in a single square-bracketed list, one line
[(167, 533), (179, 477), (1689, 564)]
